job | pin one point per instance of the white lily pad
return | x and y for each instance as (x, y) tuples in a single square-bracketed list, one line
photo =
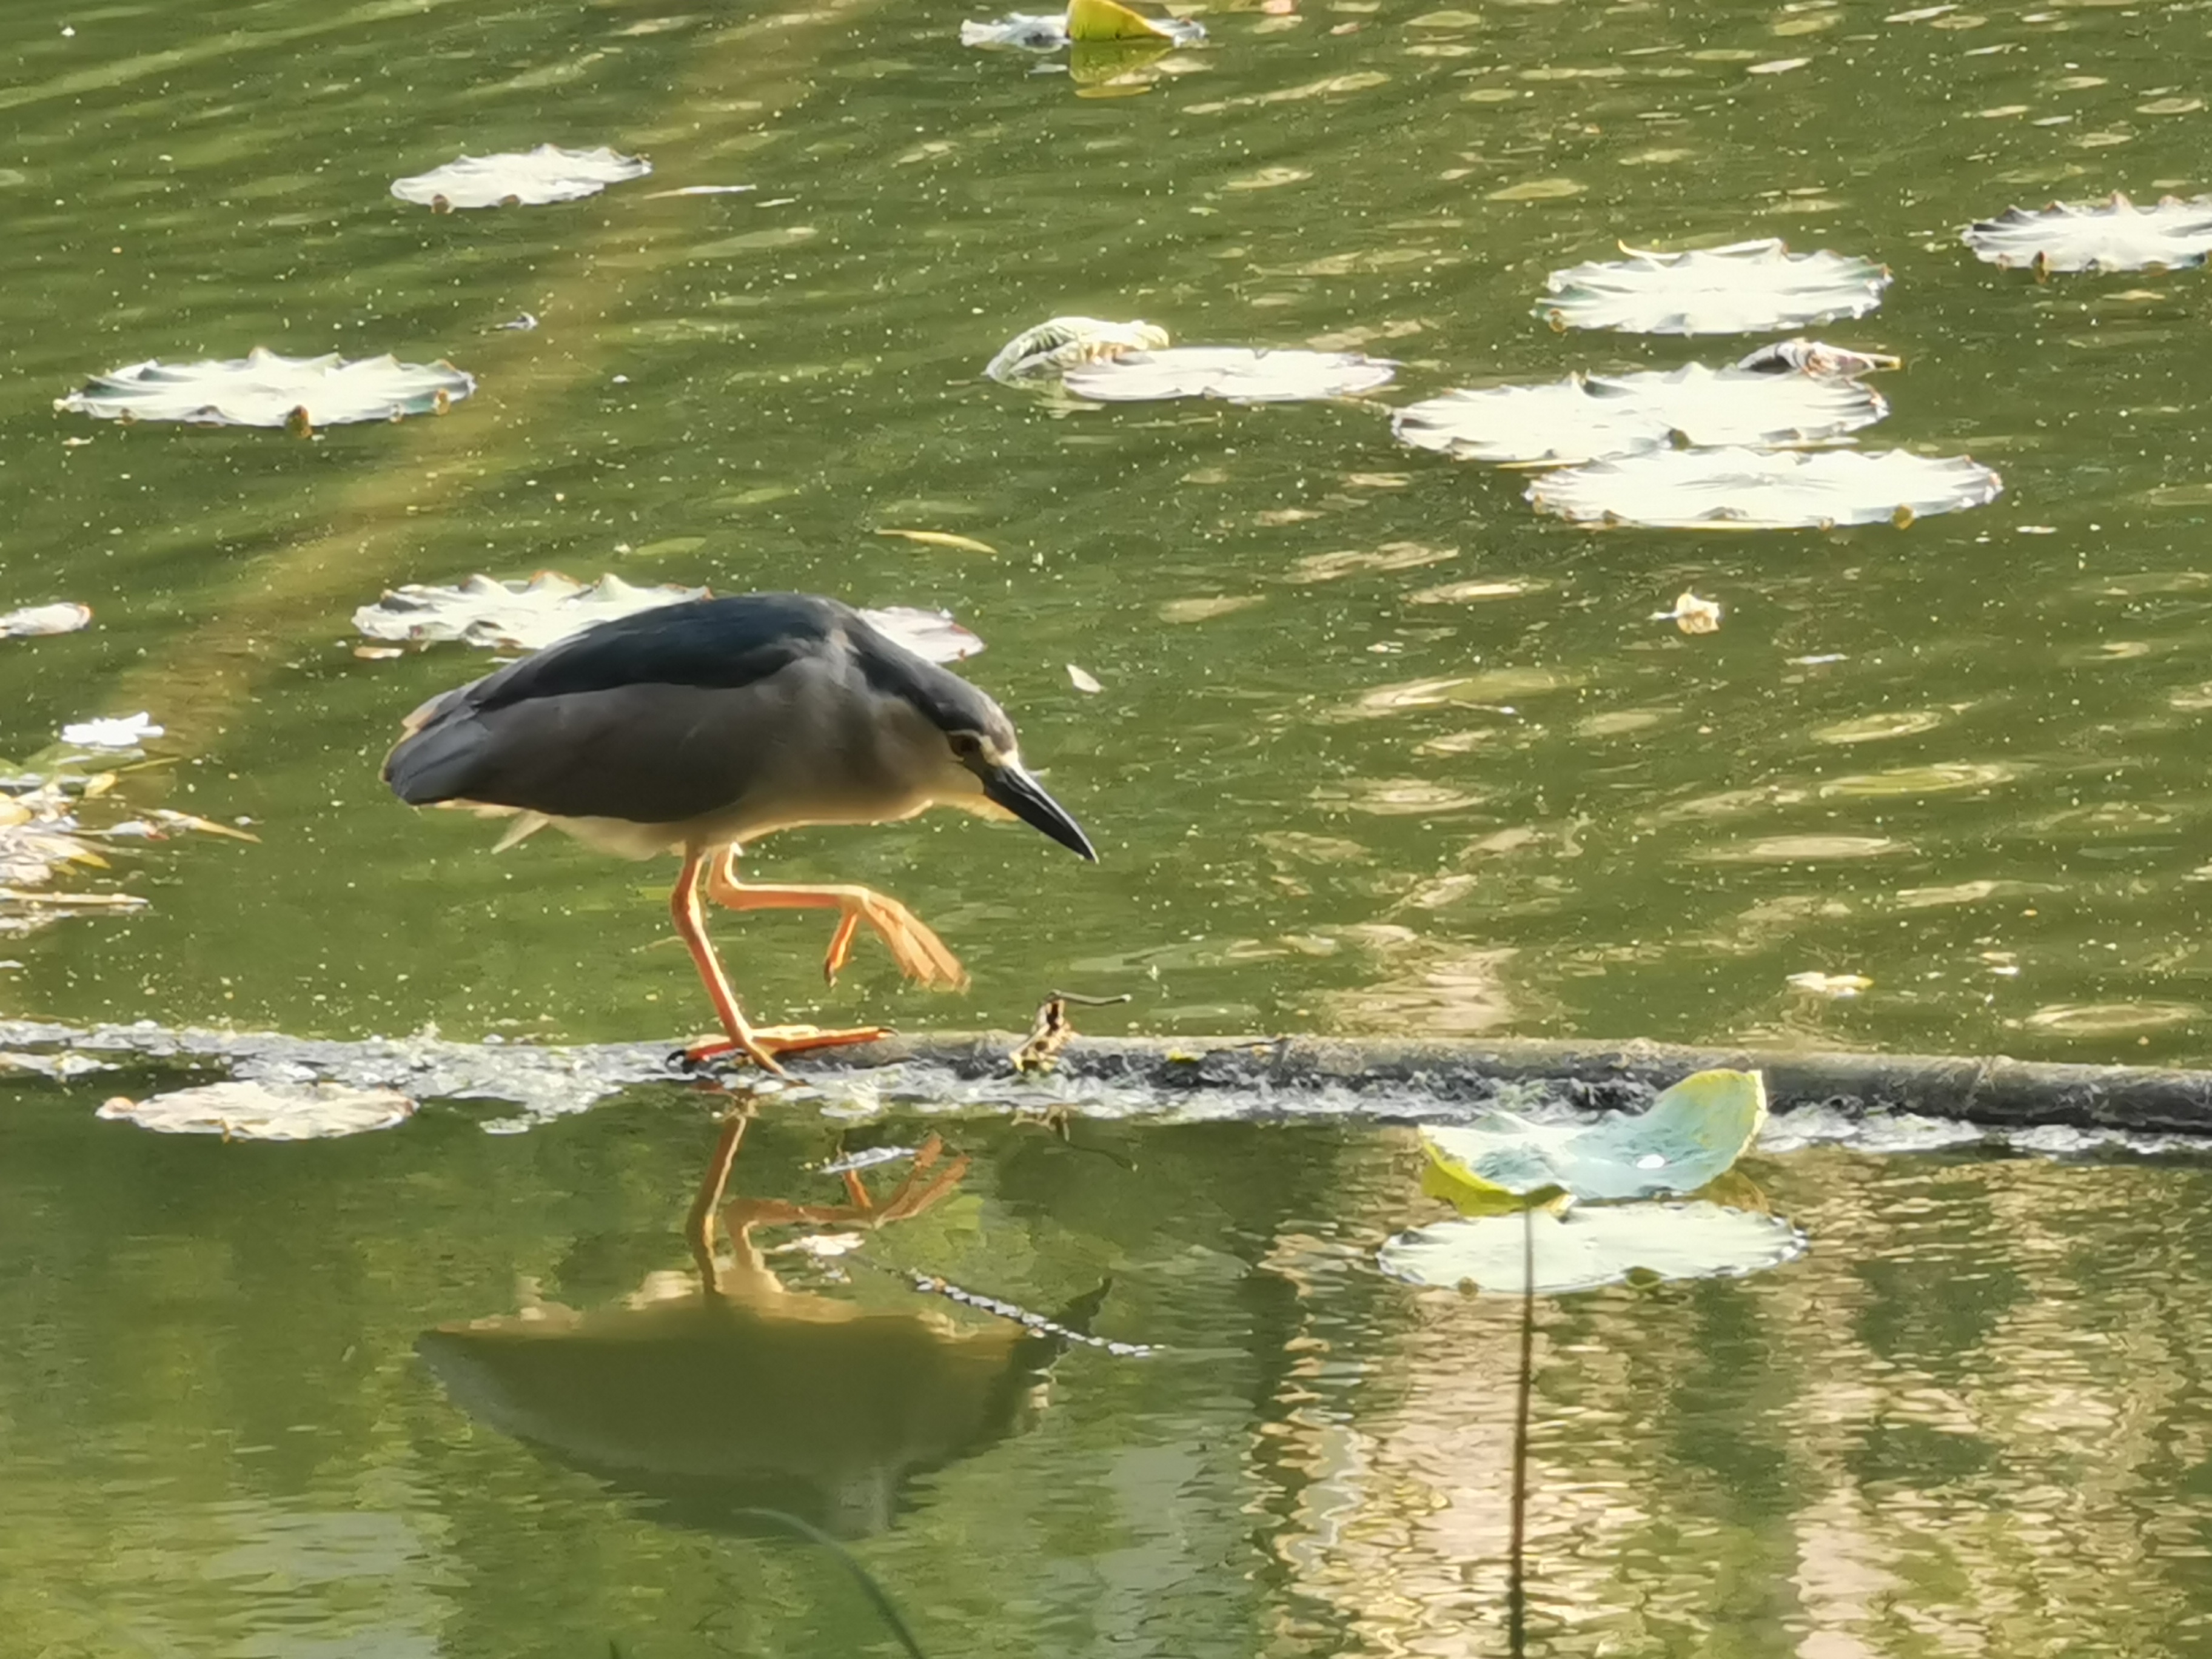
[(265, 1111), (531, 179), (528, 615), (1051, 348), (1758, 489), (1586, 1248), (1240, 374), (37, 619), (2114, 235), (1691, 1135), (122, 733), (1747, 288), (264, 389), (1587, 417)]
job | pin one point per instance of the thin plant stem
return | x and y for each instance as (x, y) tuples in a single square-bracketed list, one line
[(1516, 1588), (875, 1592)]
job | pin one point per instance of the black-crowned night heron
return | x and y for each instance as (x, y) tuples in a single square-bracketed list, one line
[(698, 728)]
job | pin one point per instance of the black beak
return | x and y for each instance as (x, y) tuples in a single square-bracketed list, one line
[(1013, 788)]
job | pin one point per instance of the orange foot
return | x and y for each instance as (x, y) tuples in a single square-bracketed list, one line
[(765, 1045)]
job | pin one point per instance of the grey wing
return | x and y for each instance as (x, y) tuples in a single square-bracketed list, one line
[(653, 754)]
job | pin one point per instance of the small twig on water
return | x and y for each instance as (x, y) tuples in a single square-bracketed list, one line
[(850, 1563)]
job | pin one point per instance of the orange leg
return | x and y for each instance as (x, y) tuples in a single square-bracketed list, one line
[(918, 952), (760, 1044)]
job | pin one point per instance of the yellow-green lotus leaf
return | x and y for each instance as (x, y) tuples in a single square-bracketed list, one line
[(1691, 1135), (1104, 20)]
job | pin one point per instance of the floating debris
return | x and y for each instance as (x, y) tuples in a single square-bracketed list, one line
[(701, 190), (531, 179), (1835, 985), (522, 323), (1052, 347), (264, 389), (1239, 374), (1804, 356), (1691, 1135), (1587, 417), (1588, 1247), (265, 1111), (1084, 682), (868, 1158), (1756, 489), (40, 833), (35, 620), (1692, 614), (124, 733), (958, 543), (1747, 288), (2113, 235), (1085, 21), (528, 615)]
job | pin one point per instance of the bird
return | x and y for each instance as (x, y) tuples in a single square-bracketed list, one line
[(699, 727)]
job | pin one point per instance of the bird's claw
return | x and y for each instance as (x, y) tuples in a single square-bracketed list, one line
[(765, 1045)]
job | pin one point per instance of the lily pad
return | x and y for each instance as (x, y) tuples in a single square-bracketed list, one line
[(2114, 235), (1051, 348), (37, 619), (264, 389), (510, 616), (1589, 416), (531, 179), (529, 616), (1586, 1248), (1237, 373), (123, 733), (1758, 489), (1691, 1135), (265, 1111), (1088, 21), (1747, 288)]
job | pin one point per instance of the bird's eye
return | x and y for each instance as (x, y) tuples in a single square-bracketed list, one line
[(966, 745)]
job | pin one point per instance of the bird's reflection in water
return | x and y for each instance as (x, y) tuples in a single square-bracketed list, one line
[(724, 1392)]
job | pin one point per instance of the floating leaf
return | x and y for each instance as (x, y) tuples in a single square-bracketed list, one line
[(1082, 681), (1052, 347), (1747, 288), (548, 173), (37, 619), (265, 1111), (1586, 1248), (942, 538), (1690, 1135), (1095, 22), (1238, 374), (1587, 417), (264, 389), (2114, 235), (1692, 614), (125, 732), (1754, 489), (531, 615)]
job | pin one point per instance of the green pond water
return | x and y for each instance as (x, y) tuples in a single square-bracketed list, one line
[(1378, 751)]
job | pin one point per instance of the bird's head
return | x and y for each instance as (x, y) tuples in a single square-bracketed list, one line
[(986, 750)]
